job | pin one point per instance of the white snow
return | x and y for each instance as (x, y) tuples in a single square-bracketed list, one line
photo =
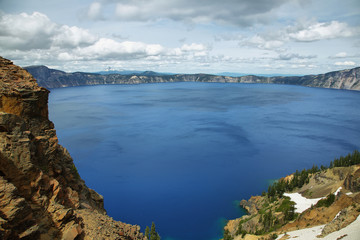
[(301, 203), (338, 214), (337, 191), (304, 234), (349, 193), (352, 231)]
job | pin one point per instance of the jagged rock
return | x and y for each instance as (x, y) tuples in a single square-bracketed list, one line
[(352, 181), (252, 205), (344, 218), (41, 193)]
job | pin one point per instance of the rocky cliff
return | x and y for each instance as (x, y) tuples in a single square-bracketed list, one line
[(50, 78), (41, 193)]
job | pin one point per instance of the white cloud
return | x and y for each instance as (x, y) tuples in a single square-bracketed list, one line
[(95, 11), (345, 63), (37, 31), (106, 48), (290, 56), (345, 55), (234, 12), (36, 37), (128, 12), (193, 47), (319, 31), (285, 38), (24, 31), (72, 37), (236, 35), (263, 42), (303, 66), (228, 37), (341, 55)]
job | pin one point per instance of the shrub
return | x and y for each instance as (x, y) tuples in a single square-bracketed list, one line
[(330, 199), (227, 235), (273, 236)]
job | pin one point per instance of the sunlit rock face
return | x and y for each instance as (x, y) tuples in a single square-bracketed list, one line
[(41, 193)]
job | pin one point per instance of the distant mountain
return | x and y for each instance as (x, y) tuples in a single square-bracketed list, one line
[(132, 72), (122, 72), (52, 78), (234, 74)]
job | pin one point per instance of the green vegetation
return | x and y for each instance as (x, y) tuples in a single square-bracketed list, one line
[(151, 234), (278, 188), (273, 236), (227, 235), (274, 200), (330, 199), (268, 221), (348, 160), (288, 208), (147, 232), (240, 230), (75, 171)]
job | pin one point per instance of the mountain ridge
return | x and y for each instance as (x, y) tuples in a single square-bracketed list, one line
[(51, 78)]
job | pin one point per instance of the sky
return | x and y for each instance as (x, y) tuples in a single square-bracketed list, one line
[(183, 36)]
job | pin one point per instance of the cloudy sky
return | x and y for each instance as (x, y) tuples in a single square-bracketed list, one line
[(183, 36)]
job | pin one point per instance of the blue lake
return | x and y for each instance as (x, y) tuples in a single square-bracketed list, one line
[(184, 154)]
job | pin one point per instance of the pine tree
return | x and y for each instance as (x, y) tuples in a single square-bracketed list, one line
[(153, 234), (147, 232)]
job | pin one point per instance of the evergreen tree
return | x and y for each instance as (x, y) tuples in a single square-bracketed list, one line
[(147, 232), (153, 234), (227, 235)]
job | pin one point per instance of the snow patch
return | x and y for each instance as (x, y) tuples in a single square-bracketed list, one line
[(338, 214), (337, 191), (301, 203), (352, 232), (304, 234)]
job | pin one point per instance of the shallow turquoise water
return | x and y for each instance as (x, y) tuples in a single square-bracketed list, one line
[(183, 154)]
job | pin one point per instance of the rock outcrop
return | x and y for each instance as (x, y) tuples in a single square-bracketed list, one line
[(51, 78), (41, 193), (352, 181), (267, 217)]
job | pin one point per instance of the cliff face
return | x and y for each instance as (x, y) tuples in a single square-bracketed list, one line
[(50, 78), (345, 79), (41, 193)]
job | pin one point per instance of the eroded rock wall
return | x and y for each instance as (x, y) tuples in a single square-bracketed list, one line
[(41, 193)]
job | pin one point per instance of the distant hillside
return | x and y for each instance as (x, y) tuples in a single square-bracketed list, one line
[(51, 78), (132, 72)]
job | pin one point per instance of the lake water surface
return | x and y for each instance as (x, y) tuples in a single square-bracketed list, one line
[(184, 154)]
